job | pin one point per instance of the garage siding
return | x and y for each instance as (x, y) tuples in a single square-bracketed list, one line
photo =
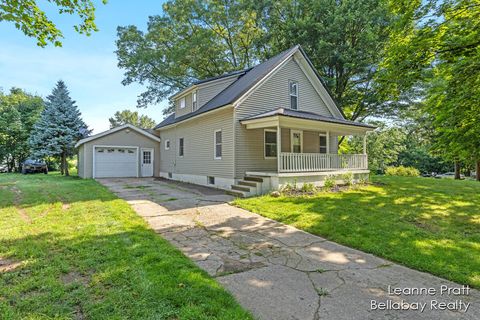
[(120, 138)]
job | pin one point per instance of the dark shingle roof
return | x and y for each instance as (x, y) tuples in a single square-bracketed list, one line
[(247, 79), (306, 115)]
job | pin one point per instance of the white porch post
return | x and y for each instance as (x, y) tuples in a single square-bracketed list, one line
[(279, 144), (365, 143)]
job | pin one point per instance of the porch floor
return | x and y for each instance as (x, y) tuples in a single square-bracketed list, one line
[(304, 174)]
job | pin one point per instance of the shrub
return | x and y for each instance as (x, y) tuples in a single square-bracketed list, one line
[(363, 179), (402, 171), (347, 178), (329, 182), (308, 188)]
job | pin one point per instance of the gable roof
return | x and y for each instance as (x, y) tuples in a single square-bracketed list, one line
[(306, 115), (125, 126), (247, 79)]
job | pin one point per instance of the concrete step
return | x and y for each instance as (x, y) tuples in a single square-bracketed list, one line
[(236, 193), (241, 188), (248, 183), (252, 178)]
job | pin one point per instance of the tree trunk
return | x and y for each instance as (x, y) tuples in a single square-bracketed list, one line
[(477, 171), (457, 170), (62, 164), (66, 166)]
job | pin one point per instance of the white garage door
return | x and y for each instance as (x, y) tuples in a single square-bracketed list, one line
[(115, 162)]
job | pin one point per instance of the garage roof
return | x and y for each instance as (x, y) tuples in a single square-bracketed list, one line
[(125, 126)]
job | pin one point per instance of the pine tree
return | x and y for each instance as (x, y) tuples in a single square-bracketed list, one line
[(60, 126)]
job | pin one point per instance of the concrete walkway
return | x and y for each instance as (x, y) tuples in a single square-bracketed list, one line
[(279, 272)]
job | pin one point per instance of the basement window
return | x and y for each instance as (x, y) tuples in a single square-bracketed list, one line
[(211, 180), (170, 175)]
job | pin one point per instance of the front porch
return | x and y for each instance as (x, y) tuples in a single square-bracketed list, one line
[(301, 147)]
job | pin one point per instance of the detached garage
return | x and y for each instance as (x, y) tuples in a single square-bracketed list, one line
[(125, 151)]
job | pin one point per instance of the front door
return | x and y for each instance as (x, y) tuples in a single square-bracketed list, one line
[(296, 139), (147, 162)]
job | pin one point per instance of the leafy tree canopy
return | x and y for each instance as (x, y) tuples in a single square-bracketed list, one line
[(28, 17), (131, 117), (18, 113)]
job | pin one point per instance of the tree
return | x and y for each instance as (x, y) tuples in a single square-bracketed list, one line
[(438, 45), (28, 17), (18, 113), (131, 117), (60, 126), (345, 41), (191, 40)]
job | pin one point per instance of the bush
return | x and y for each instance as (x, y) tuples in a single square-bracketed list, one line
[(364, 179), (308, 188), (347, 178), (402, 171), (330, 182)]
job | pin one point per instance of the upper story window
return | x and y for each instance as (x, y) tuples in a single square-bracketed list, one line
[(218, 144), (167, 144), (182, 103), (293, 86), (194, 101)]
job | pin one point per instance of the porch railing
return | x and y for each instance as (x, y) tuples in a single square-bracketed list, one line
[(308, 162)]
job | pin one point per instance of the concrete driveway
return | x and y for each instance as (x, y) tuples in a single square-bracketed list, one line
[(279, 272)]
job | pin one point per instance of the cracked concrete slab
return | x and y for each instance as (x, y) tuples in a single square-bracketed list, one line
[(275, 270)]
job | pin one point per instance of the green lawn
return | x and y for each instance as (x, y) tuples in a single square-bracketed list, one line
[(70, 249), (427, 224)]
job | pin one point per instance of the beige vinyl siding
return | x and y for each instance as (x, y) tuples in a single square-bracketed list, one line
[(198, 137), (80, 161), (271, 94), (333, 143), (285, 140), (209, 90), (188, 105), (121, 138)]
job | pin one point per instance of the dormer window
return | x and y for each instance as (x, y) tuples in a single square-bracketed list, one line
[(293, 95), (182, 103), (194, 100)]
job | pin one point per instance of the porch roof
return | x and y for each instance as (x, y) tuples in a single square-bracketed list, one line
[(288, 118)]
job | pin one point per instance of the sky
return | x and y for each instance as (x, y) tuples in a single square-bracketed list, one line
[(88, 65)]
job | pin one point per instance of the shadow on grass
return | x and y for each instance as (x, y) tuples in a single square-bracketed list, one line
[(131, 275), (426, 224)]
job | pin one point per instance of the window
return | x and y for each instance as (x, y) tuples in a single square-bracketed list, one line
[(131, 151), (270, 144), (296, 141), (121, 150), (211, 180), (182, 103), (293, 95), (194, 100), (218, 144), (323, 143), (100, 150), (110, 150), (147, 157), (170, 175), (180, 147), (167, 144)]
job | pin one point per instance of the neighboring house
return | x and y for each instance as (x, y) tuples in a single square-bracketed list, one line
[(255, 130)]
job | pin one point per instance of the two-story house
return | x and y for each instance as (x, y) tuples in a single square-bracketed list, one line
[(253, 130)]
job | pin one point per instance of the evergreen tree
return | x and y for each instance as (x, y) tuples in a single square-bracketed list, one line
[(59, 127)]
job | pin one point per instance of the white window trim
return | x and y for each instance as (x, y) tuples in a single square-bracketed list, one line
[(194, 100), (183, 150), (301, 139), (182, 102), (215, 144), (264, 143), (167, 142), (290, 82), (327, 135)]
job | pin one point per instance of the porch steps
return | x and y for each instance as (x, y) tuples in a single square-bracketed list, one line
[(241, 188), (248, 183), (237, 193), (253, 178)]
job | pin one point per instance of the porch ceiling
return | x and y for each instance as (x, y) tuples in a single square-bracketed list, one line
[(315, 124)]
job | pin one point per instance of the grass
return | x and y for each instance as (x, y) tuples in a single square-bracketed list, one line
[(426, 224), (70, 249)]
